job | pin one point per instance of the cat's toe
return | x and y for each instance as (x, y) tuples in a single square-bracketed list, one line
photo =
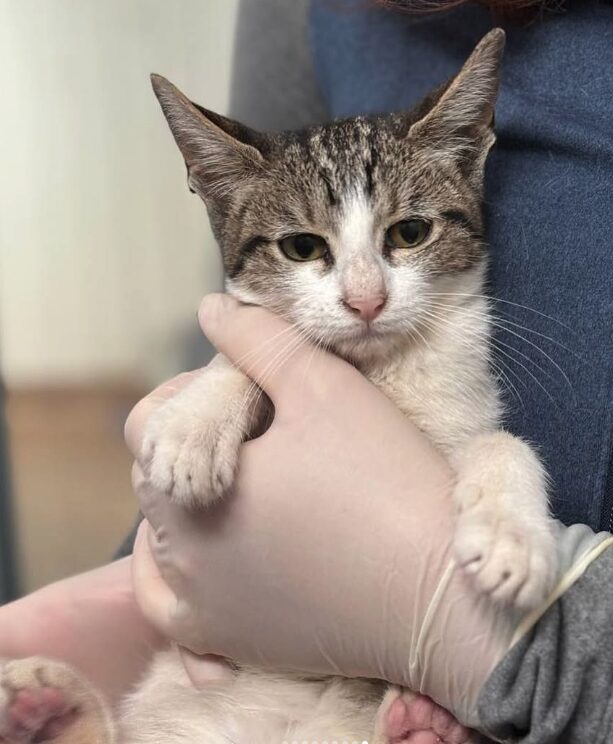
[(157, 459), (542, 572), (37, 701), (405, 717), (193, 460), (38, 714), (203, 469), (507, 558)]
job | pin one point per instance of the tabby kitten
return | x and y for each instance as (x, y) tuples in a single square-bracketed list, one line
[(367, 234)]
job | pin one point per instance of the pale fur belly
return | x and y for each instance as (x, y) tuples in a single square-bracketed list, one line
[(255, 708), (450, 404)]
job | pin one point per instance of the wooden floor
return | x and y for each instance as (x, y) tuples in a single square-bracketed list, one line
[(71, 479)]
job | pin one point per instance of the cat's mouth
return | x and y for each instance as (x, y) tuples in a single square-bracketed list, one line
[(363, 335), (369, 330)]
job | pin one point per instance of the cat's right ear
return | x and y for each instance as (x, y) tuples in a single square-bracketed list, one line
[(460, 123), (219, 152)]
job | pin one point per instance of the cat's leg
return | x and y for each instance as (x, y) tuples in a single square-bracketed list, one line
[(43, 700), (192, 441), (504, 536), (404, 717)]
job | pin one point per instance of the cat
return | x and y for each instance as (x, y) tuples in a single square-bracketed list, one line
[(367, 234)]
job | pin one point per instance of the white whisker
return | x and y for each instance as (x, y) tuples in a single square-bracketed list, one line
[(506, 302), (496, 345)]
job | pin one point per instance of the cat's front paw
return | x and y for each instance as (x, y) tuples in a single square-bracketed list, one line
[(509, 553), (191, 447), (43, 700)]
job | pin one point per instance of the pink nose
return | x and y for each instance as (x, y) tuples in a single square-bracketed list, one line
[(368, 308)]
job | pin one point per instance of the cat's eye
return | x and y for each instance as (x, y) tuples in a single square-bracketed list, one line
[(407, 233), (304, 247)]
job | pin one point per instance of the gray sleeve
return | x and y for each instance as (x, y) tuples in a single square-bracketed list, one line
[(273, 81), (556, 685)]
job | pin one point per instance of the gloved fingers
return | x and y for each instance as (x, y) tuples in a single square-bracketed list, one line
[(267, 348), (172, 618), (135, 423), (157, 601), (154, 506)]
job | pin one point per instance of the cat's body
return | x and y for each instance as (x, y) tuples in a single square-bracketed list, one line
[(367, 235)]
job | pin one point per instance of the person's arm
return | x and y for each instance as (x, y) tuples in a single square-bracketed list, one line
[(90, 621)]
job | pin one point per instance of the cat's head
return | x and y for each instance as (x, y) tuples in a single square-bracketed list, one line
[(347, 229)]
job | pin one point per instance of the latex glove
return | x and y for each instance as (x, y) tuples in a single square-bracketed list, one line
[(90, 621), (329, 556), (334, 553)]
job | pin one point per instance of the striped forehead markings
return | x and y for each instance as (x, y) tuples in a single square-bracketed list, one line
[(332, 197)]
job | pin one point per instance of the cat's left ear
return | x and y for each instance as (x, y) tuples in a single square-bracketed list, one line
[(220, 153), (460, 124)]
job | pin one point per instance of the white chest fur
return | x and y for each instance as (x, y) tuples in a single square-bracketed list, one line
[(444, 382)]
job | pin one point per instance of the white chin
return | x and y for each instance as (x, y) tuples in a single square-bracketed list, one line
[(360, 340)]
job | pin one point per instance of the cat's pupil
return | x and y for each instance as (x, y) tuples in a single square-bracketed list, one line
[(411, 230), (304, 245)]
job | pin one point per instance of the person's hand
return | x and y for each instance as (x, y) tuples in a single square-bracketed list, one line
[(333, 553), (90, 621)]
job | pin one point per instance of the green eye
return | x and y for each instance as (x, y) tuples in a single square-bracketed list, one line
[(407, 233), (304, 247)]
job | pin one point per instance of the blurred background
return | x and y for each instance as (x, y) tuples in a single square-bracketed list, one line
[(104, 256)]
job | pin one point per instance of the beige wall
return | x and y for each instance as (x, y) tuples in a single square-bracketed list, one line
[(103, 251)]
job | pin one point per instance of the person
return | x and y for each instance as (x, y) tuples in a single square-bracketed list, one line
[(548, 184), (361, 588), (336, 558)]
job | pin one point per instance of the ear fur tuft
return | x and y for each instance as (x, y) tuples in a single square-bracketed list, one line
[(215, 149)]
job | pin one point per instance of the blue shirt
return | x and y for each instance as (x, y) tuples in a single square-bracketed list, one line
[(549, 194)]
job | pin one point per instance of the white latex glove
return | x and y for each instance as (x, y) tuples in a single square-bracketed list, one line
[(333, 555)]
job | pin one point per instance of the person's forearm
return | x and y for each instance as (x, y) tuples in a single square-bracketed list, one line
[(91, 621)]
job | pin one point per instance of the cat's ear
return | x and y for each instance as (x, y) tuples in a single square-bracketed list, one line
[(460, 122), (219, 153)]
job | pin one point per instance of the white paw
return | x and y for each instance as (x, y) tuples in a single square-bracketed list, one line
[(39, 699), (509, 552), (191, 448)]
